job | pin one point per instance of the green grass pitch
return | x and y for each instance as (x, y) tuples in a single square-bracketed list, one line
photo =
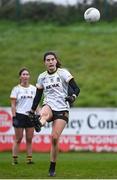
[(74, 165), (89, 51)]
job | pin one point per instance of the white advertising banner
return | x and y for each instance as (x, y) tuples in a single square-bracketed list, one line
[(90, 129)]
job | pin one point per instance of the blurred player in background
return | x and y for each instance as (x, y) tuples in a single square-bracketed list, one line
[(22, 97), (53, 84)]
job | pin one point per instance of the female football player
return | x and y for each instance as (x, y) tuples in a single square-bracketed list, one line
[(22, 97), (53, 84)]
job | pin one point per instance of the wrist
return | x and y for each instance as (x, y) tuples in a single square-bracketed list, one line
[(74, 95), (32, 111)]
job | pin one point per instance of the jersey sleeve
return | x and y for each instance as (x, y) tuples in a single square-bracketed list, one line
[(66, 75), (13, 94), (39, 83)]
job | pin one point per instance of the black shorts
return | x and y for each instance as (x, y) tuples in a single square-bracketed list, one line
[(22, 121), (60, 115)]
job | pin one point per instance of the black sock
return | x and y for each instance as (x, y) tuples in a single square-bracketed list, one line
[(15, 159), (52, 166)]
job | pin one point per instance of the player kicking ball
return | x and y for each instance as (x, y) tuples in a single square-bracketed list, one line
[(53, 84)]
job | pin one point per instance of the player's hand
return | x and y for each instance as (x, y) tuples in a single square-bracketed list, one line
[(14, 117), (70, 99), (15, 121)]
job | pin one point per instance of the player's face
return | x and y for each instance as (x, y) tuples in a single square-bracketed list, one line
[(24, 77), (50, 63)]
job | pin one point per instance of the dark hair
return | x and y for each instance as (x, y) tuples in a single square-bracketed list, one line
[(58, 65), (23, 69)]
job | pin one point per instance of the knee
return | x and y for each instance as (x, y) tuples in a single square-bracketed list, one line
[(29, 140), (45, 114), (18, 140), (55, 139)]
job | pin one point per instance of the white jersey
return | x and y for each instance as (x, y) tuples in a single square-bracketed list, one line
[(24, 98), (55, 88)]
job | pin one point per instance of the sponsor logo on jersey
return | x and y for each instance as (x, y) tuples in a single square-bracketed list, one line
[(52, 85), (23, 97)]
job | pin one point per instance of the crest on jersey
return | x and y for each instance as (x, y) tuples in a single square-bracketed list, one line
[(58, 79), (51, 80)]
